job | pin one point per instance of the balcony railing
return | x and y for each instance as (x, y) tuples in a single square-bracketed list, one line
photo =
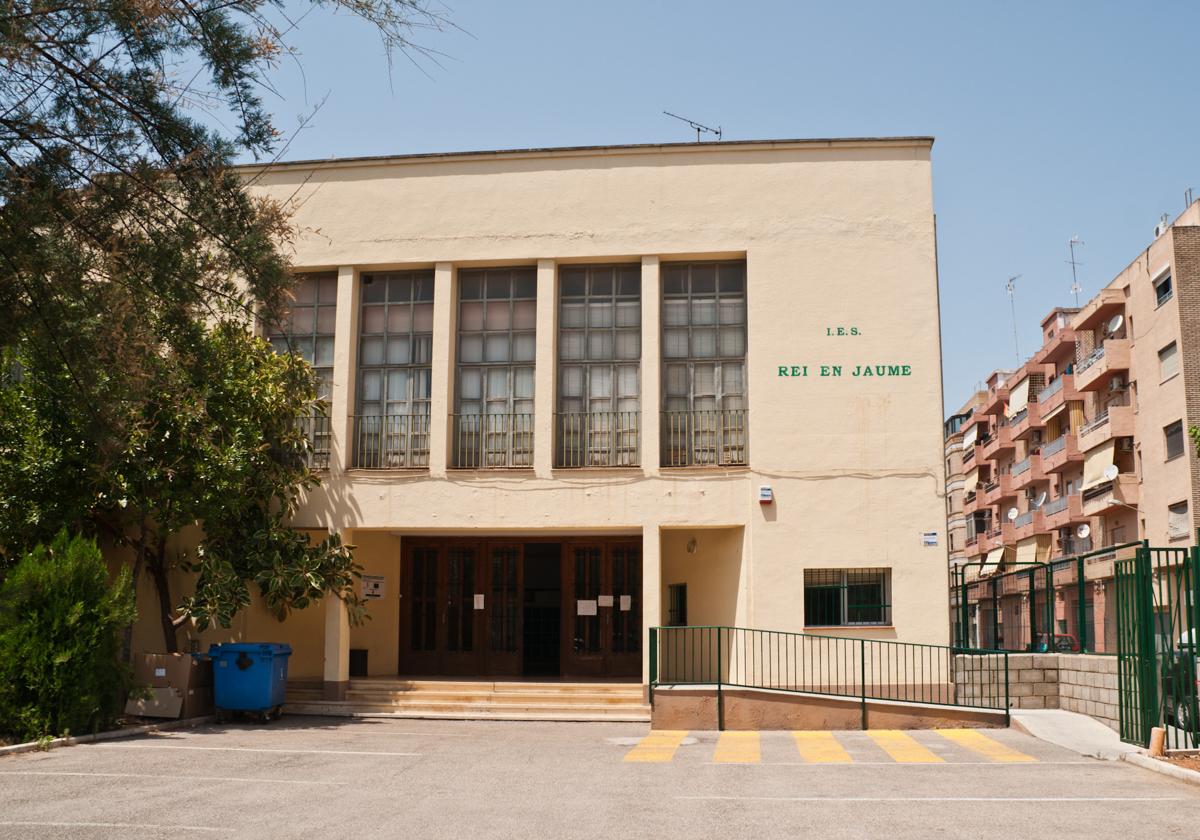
[(598, 439), (1054, 446), (1024, 519), (704, 438), (1095, 424), (1050, 390), (1056, 505), (969, 454), (391, 442), (1022, 466), (1019, 417), (1095, 356), (493, 441), (317, 429)]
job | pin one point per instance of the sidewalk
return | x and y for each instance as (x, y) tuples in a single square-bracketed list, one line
[(1073, 731)]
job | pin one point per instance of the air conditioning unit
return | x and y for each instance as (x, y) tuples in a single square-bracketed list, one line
[(1161, 227), (1116, 383)]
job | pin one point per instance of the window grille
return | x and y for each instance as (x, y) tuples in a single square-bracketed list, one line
[(845, 597)]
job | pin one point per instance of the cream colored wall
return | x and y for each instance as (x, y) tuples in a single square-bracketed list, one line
[(379, 554), (714, 574), (834, 234)]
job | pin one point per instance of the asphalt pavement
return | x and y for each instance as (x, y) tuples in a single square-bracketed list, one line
[(376, 778)]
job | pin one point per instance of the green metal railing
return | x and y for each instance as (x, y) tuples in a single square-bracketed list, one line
[(1017, 611), (804, 663)]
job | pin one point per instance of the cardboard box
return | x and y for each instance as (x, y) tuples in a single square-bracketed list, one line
[(163, 702), (181, 685)]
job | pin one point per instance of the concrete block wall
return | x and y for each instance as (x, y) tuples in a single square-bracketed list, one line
[(1075, 682)]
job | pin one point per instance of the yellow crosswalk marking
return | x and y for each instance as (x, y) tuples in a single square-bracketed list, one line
[(821, 748), (903, 748), (738, 748), (975, 740), (658, 746)]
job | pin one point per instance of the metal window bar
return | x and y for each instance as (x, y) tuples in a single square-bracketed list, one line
[(317, 431), (391, 442), (597, 439), (704, 438), (493, 441)]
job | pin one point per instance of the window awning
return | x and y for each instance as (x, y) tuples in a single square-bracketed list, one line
[(1044, 546), (1027, 551), (1018, 397), (1057, 410), (970, 436), (1095, 462), (992, 563), (972, 481)]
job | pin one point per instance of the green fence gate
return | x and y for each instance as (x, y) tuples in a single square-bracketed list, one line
[(1157, 597)]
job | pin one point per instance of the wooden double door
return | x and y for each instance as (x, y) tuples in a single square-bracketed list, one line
[(521, 607)]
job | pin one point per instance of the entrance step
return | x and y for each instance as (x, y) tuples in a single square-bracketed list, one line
[(476, 699)]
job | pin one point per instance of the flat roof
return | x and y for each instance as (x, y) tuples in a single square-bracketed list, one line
[(627, 148)]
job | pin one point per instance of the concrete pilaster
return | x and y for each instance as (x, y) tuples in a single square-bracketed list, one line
[(337, 648), (345, 355), (543, 377), (651, 364), (441, 397), (652, 595)]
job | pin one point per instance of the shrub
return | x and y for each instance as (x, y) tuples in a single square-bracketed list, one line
[(61, 622)]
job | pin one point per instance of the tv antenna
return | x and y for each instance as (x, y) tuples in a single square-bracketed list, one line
[(700, 127), (1011, 288), (1075, 288)]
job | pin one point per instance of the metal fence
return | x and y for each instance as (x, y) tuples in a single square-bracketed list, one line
[(597, 439), (391, 441), (316, 428), (490, 441), (1054, 606), (863, 669), (704, 438)]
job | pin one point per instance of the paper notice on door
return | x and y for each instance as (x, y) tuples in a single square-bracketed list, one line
[(606, 600), (585, 607), (478, 601), (626, 603)]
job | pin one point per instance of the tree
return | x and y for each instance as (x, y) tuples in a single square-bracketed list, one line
[(60, 625), (132, 263)]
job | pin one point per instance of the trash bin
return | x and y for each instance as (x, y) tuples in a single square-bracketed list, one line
[(249, 678)]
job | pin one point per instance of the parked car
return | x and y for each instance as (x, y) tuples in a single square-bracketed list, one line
[(1061, 643), (1181, 685)]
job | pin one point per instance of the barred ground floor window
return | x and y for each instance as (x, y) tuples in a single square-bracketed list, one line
[(847, 597)]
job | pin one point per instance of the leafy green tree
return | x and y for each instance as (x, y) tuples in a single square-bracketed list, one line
[(60, 625), (133, 262)]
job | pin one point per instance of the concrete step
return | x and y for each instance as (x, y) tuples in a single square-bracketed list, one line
[(494, 712), (480, 697), (488, 686)]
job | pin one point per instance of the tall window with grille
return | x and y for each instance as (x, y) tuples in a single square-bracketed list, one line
[(704, 364), (307, 328), (391, 426), (599, 351), (843, 597), (497, 320)]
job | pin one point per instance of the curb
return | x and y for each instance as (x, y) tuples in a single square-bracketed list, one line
[(1164, 767), (38, 746)]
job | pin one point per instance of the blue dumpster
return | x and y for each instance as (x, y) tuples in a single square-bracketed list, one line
[(249, 678)]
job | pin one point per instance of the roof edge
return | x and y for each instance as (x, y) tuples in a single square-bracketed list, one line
[(584, 151)]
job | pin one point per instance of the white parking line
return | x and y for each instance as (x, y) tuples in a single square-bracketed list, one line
[(935, 798), (172, 778), (148, 826), (241, 749)]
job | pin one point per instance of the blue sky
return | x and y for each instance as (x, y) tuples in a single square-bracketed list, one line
[(1051, 118)]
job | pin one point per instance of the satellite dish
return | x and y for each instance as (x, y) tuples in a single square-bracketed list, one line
[(1115, 323), (1041, 500), (1083, 531), (1111, 472), (1013, 513)]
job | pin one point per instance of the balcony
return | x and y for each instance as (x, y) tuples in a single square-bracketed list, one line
[(995, 537), (1027, 472), (598, 439), (999, 442), (1099, 309), (998, 489), (1063, 511), (391, 442), (492, 441), (704, 438), (972, 502), (1061, 390), (1061, 346), (968, 456), (1119, 494), (1060, 453), (1106, 361), (1022, 424), (316, 430), (1115, 422), (1028, 524), (995, 401)]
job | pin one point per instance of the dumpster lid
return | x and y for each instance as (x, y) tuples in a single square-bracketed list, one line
[(273, 648)]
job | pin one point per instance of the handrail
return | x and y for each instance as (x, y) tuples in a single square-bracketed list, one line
[(840, 666)]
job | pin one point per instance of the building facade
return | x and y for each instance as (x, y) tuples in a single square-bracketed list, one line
[(578, 393), (1085, 446), (954, 430)]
